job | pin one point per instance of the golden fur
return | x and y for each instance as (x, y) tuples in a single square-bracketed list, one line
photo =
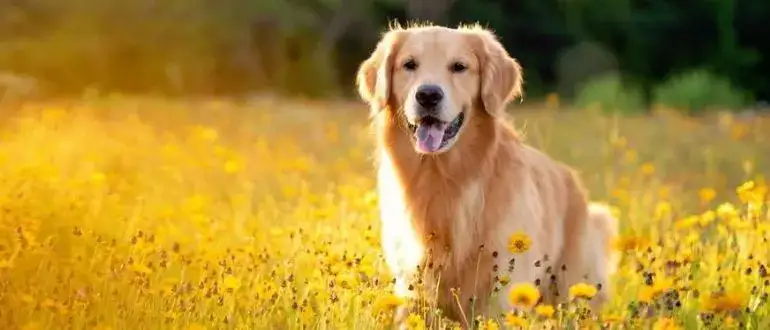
[(447, 216)]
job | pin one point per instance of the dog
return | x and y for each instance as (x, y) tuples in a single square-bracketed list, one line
[(455, 180)]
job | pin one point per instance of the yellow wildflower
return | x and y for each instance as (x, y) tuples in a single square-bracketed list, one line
[(744, 191), (666, 323), (628, 243), (582, 290), (504, 279), (738, 224), (232, 166), (707, 218), (729, 322), (208, 134), (649, 293), (519, 242), (489, 325), (664, 193), (545, 311), (687, 222), (415, 322), (723, 302), (727, 211), (524, 295), (387, 303), (231, 282), (97, 177), (763, 228), (648, 169), (707, 195), (612, 318), (513, 321)]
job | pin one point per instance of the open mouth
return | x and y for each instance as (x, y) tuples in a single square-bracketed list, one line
[(433, 134)]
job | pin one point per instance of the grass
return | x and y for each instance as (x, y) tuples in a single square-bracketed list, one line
[(155, 214)]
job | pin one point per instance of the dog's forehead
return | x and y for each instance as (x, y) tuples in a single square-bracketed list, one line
[(436, 43)]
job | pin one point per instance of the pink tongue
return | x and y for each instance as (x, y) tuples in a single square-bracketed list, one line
[(429, 136)]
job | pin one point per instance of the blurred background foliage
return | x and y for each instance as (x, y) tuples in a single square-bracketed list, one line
[(624, 55)]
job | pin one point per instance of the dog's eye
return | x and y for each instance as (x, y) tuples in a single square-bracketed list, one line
[(410, 65), (458, 67)]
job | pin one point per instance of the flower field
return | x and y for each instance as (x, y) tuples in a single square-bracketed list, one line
[(128, 213)]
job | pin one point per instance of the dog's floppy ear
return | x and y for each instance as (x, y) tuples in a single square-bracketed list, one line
[(501, 75), (374, 74)]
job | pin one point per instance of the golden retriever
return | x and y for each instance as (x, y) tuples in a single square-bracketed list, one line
[(455, 180)]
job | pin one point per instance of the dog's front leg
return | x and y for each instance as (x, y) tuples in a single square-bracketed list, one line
[(402, 290), (402, 257)]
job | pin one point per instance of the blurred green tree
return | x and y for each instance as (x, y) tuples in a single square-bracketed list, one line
[(313, 47)]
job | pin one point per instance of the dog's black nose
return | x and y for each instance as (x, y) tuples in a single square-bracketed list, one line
[(429, 96)]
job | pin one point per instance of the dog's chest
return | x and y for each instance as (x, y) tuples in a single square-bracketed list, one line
[(420, 219)]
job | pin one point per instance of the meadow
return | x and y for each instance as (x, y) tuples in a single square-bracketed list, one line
[(140, 213)]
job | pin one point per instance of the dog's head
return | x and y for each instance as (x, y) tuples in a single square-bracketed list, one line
[(438, 79)]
